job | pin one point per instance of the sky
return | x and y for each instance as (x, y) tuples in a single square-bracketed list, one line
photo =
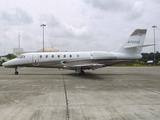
[(76, 25)]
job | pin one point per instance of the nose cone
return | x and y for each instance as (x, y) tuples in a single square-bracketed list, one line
[(8, 64), (4, 64)]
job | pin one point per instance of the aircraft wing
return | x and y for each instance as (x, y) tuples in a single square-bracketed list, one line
[(81, 65)]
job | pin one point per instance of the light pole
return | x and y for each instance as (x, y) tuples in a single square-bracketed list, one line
[(43, 25), (154, 42)]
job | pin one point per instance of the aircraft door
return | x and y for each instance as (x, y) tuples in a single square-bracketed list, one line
[(35, 59), (91, 55)]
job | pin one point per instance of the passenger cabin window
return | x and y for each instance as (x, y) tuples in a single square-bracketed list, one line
[(70, 56), (46, 56), (40, 56), (52, 56), (64, 56), (58, 56)]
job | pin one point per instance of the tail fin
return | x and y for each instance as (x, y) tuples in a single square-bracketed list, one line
[(134, 43)]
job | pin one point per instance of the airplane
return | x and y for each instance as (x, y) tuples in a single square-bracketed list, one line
[(80, 61)]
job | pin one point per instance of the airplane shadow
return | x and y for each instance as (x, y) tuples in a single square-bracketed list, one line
[(87, 75), (95, 76)]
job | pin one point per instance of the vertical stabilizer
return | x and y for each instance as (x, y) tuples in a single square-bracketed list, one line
[(134, 43)]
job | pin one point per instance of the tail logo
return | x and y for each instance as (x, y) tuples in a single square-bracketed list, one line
[(136, 42)]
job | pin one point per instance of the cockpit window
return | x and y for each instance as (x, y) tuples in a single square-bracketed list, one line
[(21, 56)]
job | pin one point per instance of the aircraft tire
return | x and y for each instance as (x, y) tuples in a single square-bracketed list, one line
[(16, 73), (82, 72)]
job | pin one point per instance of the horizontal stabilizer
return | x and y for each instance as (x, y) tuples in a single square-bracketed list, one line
[(139, 46)]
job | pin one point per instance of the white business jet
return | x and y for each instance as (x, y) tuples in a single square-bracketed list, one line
[(80, 61)]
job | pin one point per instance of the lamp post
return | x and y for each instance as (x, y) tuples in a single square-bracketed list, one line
[(43, 25), (154, 42)]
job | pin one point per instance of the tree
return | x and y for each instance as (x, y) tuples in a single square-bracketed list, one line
[(157, 56), (145, 56), (10, 56)]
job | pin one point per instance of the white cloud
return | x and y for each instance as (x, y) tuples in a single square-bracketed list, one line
[(157, 1), (76, 25), (108, 5), (50, 19), (15, 17), (61, 29), (137, 11), (81, 33)]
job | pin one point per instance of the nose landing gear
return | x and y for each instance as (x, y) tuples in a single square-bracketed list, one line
[(16, 71)]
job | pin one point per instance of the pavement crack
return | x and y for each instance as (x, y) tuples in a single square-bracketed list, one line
[(65, 91)]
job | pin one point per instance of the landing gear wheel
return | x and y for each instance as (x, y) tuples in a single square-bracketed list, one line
[(79, 71), (16, 73), (82, 72)]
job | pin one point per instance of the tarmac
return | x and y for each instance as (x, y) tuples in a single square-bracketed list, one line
[(111, 93)]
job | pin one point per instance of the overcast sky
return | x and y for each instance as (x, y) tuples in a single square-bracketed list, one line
[(76, 25)]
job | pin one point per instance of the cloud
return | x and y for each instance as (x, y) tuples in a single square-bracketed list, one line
[(75, 32), (60, 29), (70, 32), (108, 5), (16, 17), (50, 19), (68, 37), (129, 10), (82, 25), (157, 1), (137, 11), (62, 35)]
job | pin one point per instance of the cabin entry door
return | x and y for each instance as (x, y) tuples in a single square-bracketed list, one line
[(35, 59)]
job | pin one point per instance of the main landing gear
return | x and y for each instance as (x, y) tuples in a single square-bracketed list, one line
[(80, 71), (16, 71)]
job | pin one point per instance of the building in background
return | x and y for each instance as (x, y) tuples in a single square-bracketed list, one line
[(17, 51), (48, 49)]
